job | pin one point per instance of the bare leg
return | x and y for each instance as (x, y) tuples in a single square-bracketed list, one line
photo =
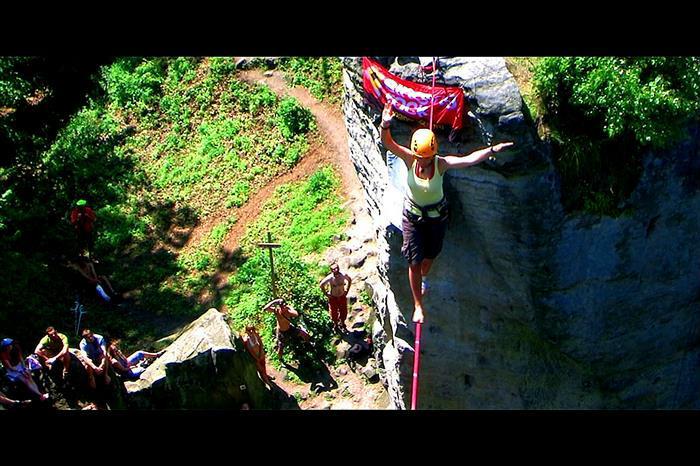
[(425, 266), (106, 370), (104, 280), (91, 377), (263, 371), (414, 278)]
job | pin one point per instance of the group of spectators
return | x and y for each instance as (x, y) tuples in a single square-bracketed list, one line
[(94, 353)]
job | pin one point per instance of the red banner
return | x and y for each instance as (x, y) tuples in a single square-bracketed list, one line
[(410, 99)]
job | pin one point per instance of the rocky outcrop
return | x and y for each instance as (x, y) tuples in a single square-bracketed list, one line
[(530, 307), (245, 63), (206, 367)]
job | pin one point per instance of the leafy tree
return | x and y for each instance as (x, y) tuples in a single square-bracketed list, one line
[(650, 98), (605, 111)]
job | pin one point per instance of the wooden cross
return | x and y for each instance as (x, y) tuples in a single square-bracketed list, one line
[(270, 245)]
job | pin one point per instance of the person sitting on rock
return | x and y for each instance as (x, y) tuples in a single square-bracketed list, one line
[(85, 267), (334, 287), (425, 209), (254, 345), (285, 328), (94, 350), (53, 347), (13, 362), (129, 367)]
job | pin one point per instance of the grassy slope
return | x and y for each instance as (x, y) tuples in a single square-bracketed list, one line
[(204, 144)]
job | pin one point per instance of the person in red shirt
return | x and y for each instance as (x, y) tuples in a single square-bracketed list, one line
[(82, 217)]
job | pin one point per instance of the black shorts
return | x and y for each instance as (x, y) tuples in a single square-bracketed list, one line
[(283, 338), (422, 239)]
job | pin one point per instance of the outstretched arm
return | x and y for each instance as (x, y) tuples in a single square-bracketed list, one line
[(450, 162), (402, 152), (272, 303)]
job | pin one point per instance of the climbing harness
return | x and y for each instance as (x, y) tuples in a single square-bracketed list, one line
[(416, 346), (418, 214)]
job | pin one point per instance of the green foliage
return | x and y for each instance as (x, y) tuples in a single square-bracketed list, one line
[(322, 76), (162, 142), (222, 66), (603, 112), (14, 88), (135, 83), (293, 118), (304, 215), (650, 98), (250, 99), (239, 194), (251, 290)]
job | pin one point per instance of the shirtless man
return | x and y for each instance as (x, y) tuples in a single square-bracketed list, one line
[(254, 345), (333, 286), (285, 329)]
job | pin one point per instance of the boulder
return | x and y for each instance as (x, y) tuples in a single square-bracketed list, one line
[(370, 371), (206, 367), (341, 351)]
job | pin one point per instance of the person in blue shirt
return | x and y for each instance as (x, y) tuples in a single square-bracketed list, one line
[(94, 347)]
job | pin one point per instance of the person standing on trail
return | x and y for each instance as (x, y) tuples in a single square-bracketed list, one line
[(425, 208), (82, 217), (285, 328), (334, 287)]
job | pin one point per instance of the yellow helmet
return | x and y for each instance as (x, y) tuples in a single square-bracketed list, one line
[(423, 143)]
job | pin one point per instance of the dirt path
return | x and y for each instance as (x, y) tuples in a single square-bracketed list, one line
[(332, 150)]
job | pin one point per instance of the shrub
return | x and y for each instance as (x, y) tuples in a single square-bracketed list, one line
[(134, 82), (293, 118), (222, 66)]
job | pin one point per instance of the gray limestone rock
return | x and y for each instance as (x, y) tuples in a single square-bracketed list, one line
[(206, 367), (531, 307)]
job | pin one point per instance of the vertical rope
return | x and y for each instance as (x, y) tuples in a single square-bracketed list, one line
[(416, 346), (432, 95), (416, 365)]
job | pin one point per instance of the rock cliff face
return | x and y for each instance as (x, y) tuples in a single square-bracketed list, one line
[(207, 367), (530, 307)]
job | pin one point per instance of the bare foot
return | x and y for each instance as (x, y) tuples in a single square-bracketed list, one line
[(418, 315)]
